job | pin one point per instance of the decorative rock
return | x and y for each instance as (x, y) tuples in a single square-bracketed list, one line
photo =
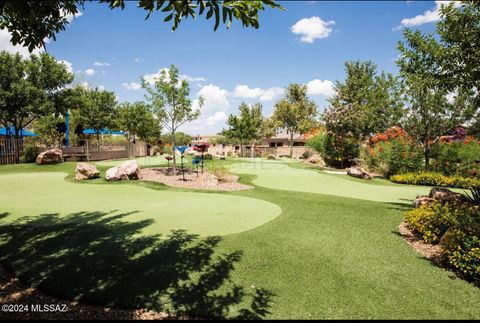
[(445, 195), (127, 170), (358, 173), (86, 171), (210, 180), (423, 200), (52, 156), (315, 160)]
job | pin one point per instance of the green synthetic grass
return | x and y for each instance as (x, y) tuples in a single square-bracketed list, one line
[(204, 214), (325, 256), (280, 175)]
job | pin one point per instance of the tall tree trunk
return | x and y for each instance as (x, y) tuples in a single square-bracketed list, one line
[(252, 149), (426, 154), (241, 148), (291, 145), (173, 154)]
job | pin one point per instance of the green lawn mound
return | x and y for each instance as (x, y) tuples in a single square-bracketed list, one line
[(204, 214), (279, 175)]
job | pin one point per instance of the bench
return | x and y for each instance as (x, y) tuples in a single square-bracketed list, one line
[(69, 152)]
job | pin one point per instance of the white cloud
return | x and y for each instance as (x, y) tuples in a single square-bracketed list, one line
[(427, 17), (213, 114), (312, 28), (319, 87), (67, 64), (101, 64), (151, 78), (6, 45), (70, 17), (5, 36), (132, 86), (219, 117), (90, 72), (245, 92)]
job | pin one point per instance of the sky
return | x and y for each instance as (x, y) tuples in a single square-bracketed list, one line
[(307, 43)]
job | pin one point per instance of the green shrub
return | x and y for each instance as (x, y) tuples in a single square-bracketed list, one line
[(432, 222), (393, 157), (218, 169), (317, 143), (207, 156), (457, 228), (461, 253), (457, 158), (435, 179), (340, 151), (307, 154), (30, 153)]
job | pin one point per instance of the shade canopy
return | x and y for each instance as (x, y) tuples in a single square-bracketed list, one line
[(11, 131), (102, 132)]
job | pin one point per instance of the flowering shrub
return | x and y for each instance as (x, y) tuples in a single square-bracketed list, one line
[(461, 253), (392, 152), (458, 158), (457, 229), (435, 179)]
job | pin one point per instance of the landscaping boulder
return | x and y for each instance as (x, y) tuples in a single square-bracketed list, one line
[(127, 170), (358, 173), (210, 180), (315, 160), (52, 156), (445, 195), (86, 171), (423, 200)]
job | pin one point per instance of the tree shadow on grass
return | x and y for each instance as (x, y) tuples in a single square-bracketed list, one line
[(96, 258), (401, 206)]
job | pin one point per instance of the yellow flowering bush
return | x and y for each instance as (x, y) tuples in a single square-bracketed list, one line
[(435, 179)]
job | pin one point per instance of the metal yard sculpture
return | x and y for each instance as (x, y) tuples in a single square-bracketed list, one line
[(201, 148), (182, 150)]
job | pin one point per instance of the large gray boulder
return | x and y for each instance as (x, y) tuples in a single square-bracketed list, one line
[(445, 195), (127, 170), (86, 171), (48, 157), (358, 173), (423, 200)]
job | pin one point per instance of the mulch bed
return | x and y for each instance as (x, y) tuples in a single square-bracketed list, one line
[(429, 251), (12, 291), (193, 180)]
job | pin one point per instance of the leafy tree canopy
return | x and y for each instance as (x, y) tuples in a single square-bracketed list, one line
[(295, 113), (137, 121), (31, 21), (30, 88)]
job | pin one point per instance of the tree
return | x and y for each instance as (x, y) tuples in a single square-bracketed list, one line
[(97, 110), (244, 127), (268, 128), (296, 112), (29, 88), (47, 130), (459, 32), (169, 101), (181, 139), (432, 110), (31, 22), (137, 121), (374, 101)]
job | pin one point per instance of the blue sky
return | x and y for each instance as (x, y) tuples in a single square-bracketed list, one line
[(308, 43)]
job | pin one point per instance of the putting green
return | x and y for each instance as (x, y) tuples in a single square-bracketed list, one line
[(279, 175), (205, 214)]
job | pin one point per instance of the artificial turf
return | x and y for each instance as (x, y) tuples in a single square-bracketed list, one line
[(324, 256)]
